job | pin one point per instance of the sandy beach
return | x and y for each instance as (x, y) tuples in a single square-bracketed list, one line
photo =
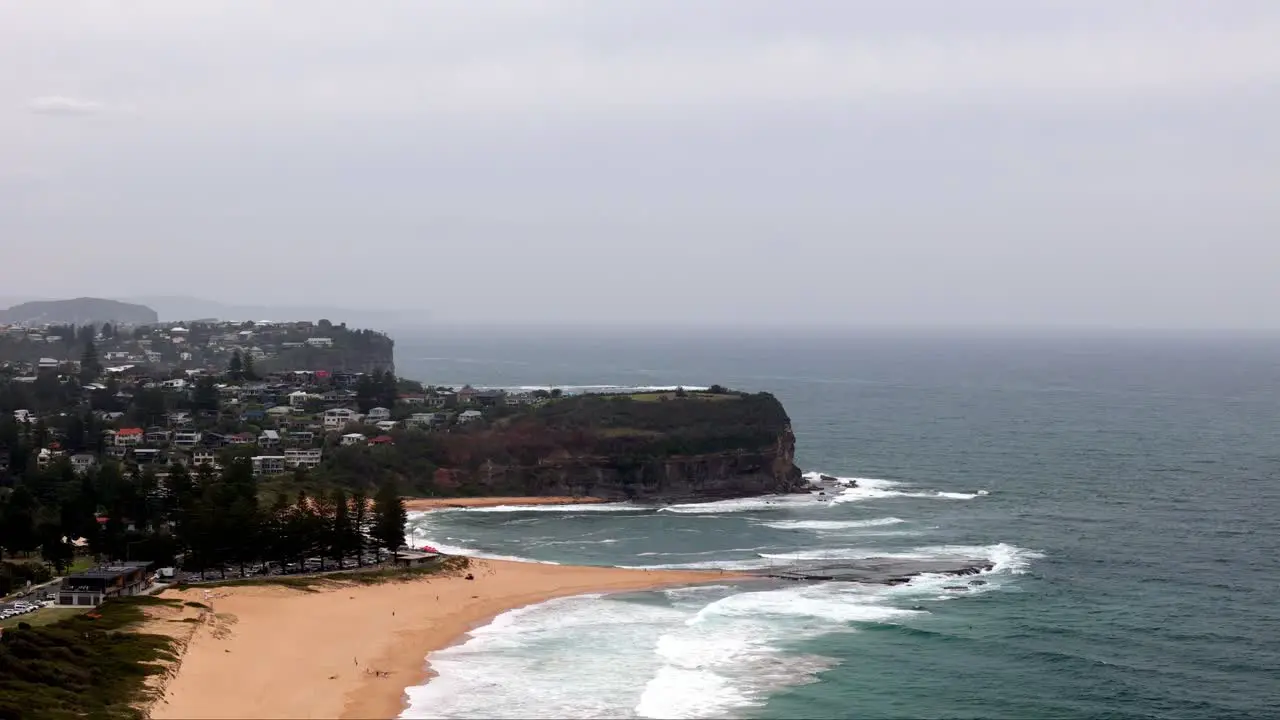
[(442, 503), (350, 651)]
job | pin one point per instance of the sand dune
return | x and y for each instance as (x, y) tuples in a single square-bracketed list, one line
[(350, 651)]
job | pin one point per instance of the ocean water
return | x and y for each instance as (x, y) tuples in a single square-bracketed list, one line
[(1129, 502)]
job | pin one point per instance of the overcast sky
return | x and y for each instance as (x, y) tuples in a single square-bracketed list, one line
[(726, 161)]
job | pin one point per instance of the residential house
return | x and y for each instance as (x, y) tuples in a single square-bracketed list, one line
[(320, 342), (129, 437), (468, 416), (298, 398), (186, 439), (381, 440), (439, 400), (377, 414), (490, 398), (386, 425), (340, 417), (254, 415), (412, 399), (422, 420), (280, 411), (115, 452), (22, 416), (302, 437), (176, 385), (204, 457), (47, 364), (239, 439), (83, 463), (147, 456), (353, 439), (268, 464), (269, 439), (302, 458), (467, 395)]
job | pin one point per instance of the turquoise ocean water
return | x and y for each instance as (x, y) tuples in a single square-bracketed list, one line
[(1131, 513)]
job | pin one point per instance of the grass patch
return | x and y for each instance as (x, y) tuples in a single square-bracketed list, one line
[(85, 665), (356, 576), (689, 395), (80, 564)]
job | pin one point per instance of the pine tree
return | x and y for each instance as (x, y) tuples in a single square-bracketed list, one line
[(249, 372), (389, 517), (340, 540), (235, 369), (90, 367), (359, 523)]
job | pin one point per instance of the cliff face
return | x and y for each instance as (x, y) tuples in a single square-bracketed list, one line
[(682, 450), (679, 478)]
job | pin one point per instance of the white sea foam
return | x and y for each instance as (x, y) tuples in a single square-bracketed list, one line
[(421, 530), (832, 524), (708, 652), (862, 488), (751, 504)]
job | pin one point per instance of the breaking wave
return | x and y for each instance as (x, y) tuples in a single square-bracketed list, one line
[(832, 524)]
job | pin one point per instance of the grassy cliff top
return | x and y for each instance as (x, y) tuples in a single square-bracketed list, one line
[(665, 413)]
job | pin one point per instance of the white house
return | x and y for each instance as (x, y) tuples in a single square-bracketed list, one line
[(186, 439), (83, 463), (320, 342), (339, 417), (302, 458), (378, 414), (22, 416), (386, 425), (178, 384), (204, 457), (298, 398), (48, 364), (269, 438), (469, 416), (268, 464), (352, 439)]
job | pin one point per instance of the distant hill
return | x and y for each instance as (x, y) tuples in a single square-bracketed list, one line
[(174, 308), (79, 311)]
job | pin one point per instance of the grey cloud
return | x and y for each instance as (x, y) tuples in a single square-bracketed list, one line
[(735, 161)]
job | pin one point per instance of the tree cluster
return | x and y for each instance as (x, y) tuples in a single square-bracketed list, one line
[(213, 520)]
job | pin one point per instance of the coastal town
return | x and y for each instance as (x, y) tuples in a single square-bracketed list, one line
[(155, 397), (149, 473), (137, 406)]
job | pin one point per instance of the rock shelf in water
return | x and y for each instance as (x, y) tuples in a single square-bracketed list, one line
[(881, 571)]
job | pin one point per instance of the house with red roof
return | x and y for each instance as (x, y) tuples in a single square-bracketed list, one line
[(128, 437), (381, 440)]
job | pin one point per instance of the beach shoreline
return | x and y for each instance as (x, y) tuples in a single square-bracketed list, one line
[(352, 651), (418, 504)]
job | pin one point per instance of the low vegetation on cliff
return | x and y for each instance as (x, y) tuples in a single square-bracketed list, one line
[(82, 666)]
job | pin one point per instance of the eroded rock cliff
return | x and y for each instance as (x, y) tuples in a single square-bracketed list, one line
[(662, 448)]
